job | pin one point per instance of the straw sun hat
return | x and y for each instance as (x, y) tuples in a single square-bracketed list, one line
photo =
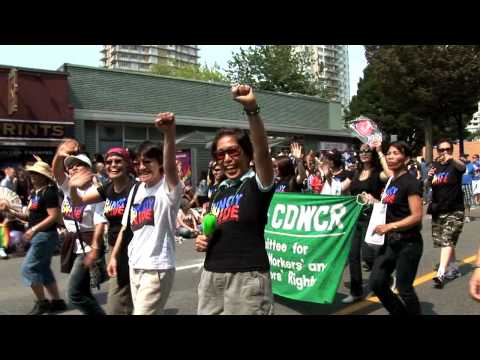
[(42, 168)]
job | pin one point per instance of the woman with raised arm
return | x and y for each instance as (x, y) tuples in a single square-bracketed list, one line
[(403, 245), (291, 174), (115, 194), (85, 223), (368, 181), (151, 214), (236, 277)]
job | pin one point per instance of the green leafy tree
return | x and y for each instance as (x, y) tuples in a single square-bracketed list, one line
[(429, 89), (195, 72), (276, 68)]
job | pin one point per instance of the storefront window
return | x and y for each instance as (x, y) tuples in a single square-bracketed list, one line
[(135, 133)]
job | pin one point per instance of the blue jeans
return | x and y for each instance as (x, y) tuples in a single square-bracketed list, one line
[(79, 292), (36, 265)]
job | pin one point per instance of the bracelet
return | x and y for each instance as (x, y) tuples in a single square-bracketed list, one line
[(256, 111)]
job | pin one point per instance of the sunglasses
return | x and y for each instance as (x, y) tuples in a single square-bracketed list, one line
[(233, 152), (110, 162), (444, 149), (75, 165), (365, 152)]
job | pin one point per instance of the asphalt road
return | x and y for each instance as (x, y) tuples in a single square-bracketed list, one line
[(453, 299)]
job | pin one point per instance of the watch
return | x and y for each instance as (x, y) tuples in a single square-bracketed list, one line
[(255, 111)]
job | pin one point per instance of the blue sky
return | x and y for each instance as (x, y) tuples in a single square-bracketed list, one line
[(51, 57)]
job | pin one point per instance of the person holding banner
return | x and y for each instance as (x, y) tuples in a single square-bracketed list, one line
[(236, 276), (368, 181), (403, 245)]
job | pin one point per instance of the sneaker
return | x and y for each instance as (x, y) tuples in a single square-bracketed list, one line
[(452, 274), (3, 254), (41, 307), (351, 299), (366, 267), (438, 282), (393, 283), (58, 305)]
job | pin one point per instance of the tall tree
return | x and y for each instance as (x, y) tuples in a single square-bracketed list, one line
[(429, 88), (276, 68), (195, 72)]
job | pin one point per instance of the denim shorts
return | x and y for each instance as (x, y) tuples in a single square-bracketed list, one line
[(36, 265)]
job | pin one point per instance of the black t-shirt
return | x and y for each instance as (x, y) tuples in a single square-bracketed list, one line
[(39, 202), (396, 198), (447, 188), (238, 243), (288, 185), (344, 174), (372, 185), (115, 204)]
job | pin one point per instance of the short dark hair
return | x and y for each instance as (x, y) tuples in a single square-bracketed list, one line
[(285, 167), (403, 147), (335, 157), (242, 139), (150, 150), (445, 141)]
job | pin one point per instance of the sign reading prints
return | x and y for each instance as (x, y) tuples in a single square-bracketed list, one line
[(308, 238)]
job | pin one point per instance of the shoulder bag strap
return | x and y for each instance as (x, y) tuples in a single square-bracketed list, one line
[(135, 188), (79, 236), (385, 190)]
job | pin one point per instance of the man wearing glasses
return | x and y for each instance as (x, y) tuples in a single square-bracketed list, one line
[(447, 209)]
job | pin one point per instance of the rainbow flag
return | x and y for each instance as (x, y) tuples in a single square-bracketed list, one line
[(4, 236)]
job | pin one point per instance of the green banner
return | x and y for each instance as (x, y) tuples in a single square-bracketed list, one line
[(308, 238)]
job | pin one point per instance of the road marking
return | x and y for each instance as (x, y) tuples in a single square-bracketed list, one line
[(375, 300), (189, 266)]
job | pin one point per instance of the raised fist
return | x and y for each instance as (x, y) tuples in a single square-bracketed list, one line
[(244, 95), (165, 120), (68, 147)]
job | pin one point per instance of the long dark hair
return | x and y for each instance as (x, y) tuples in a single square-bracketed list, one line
[(376, 165)]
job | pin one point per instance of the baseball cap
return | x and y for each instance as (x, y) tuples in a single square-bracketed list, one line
[(80, 158), (118, 151)]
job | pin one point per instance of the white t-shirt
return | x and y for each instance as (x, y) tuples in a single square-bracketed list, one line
[(334, 188), (87, 216), (153, 221)]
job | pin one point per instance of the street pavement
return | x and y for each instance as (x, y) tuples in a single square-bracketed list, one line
[(453, 299)]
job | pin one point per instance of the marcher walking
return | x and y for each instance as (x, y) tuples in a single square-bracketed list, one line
[(403, 245), (447, 209), (236, 277), (43, 213), (153, 206)]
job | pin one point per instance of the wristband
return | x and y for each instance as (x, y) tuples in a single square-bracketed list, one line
[(256, 111)]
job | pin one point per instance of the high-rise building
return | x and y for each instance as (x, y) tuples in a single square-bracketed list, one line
[(142, 57), (331, 65), (474, 125)]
